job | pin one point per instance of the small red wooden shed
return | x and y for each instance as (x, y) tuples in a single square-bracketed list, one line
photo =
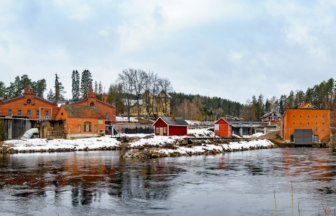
[(170, 126), (223, 128)]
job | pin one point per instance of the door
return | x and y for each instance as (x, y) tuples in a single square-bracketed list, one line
[(303, 136), (161, 131)]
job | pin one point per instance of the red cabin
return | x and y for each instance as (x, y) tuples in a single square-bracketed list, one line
[(223, 128), (271, 117), (170, 126)]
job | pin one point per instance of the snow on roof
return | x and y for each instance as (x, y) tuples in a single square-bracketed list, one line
[(268, 114)]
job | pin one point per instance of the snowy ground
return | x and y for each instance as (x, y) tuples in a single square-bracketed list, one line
[(143, 139), (125, 119), (191, 122)]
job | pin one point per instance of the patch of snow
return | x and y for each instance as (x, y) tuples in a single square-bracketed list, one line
[(191, 122), (37, 144), (125, 119)]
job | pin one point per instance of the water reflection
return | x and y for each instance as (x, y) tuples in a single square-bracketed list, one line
[(99, 181)]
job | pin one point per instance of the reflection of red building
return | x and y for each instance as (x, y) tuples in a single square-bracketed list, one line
[(317, 166)]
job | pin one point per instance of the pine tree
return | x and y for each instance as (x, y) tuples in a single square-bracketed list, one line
[(73, 89), (50, 95), (100, 89), (39, 87), (59, 89), (86, 83), (96, 87), (77, 85)]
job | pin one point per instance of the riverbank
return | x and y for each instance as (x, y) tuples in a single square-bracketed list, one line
[(149, 144)]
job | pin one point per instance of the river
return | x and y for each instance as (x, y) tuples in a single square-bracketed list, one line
[(99, 183)]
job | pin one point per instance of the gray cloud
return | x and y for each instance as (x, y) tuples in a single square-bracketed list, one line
[(231, 49)]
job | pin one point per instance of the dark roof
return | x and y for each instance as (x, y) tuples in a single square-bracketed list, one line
[(44, 100), (178, 121), (73, 102), (13, 98), (268, 114), (104, 102), (83, 111)]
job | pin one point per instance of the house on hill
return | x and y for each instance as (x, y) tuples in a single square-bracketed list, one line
[(305, 125), (170, 126), (82, 121), (156, 102), (223, 128), (271, 117)]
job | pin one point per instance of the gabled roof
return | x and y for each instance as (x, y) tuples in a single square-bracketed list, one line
[(83, 111), (107, 103), (224, 120), (307, 105), (268, 114), (169, 121)]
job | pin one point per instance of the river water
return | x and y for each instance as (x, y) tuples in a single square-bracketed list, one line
[(99, 183)]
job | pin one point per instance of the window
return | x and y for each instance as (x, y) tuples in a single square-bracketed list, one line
[(37, 113), (87, 126), (106, 115), (28, 101), (95, 128), (46, 113), (10, 112), (157, 130), (61, 113), (91, 104), (79, 128), (19, 112), (164, 130), (28, 112), (315, 138)]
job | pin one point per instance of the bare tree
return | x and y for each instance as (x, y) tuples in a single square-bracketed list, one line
[(126, 79), (140, 79), (150, 87), (166, 87)]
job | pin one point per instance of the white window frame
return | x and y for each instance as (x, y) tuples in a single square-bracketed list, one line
[(157, 130), (164, 130)]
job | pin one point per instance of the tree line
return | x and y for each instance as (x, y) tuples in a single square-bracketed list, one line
[(197, 107), (321, 95)]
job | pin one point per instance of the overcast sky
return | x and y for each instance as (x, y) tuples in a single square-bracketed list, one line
[(231, 49)]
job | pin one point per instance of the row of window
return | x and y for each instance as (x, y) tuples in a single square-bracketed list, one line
[(308, 123), (87, 127), (157, 109), (308, 116), (163, 129), (19, 113)]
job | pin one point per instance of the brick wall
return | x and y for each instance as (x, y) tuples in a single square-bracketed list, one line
[(21, 104), (317, 120)]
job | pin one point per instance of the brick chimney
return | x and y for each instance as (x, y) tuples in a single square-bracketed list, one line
[(67, 102), (172, 117), (104, 98)]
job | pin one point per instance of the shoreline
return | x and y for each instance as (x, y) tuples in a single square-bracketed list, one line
[(145, 145)]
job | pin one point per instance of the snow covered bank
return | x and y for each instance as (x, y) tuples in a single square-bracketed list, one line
[(164, 144), (206, 149)]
